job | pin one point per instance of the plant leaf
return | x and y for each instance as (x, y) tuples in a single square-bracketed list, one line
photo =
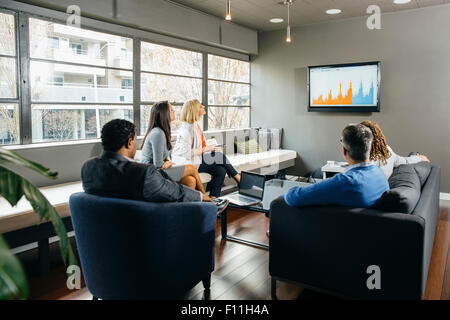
[(13, 282), (10, 186), (13, 187), (10, 157)]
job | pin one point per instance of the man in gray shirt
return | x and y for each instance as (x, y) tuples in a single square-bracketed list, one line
[(115, 173)]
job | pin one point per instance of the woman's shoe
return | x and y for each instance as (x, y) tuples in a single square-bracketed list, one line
[(221, 207)]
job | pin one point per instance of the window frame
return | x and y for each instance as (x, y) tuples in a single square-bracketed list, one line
[(51, 42), (17, 60), (25, 24), (23, 12), (249, 106), (202, 99)]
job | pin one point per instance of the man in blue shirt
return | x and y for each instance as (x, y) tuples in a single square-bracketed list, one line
[(360, 186)]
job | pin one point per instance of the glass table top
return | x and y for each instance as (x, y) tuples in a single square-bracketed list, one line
[(272, 190)]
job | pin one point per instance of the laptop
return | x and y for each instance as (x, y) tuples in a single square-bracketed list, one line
[(251, 190)]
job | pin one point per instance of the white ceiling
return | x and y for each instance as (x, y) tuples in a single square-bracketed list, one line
[(256, 14)]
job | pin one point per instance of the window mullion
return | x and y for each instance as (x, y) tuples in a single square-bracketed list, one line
[(23, 55), (137, 84), (205, 90)]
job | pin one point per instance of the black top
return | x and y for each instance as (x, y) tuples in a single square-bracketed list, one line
[(112, 175)]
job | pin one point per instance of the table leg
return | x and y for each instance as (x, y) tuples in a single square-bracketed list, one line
[(44, 256), (225, 236), (223, 222)]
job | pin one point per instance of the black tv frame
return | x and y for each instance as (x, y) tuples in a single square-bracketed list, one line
[(361, 109)]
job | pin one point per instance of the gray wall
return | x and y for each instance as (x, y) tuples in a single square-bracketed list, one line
[(166, 18), (68, 159), (65, 159), (414, 47)]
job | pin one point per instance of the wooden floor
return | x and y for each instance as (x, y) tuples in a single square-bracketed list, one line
[(241, 271)]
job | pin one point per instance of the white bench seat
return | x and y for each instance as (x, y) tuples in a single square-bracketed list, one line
[(22, 215)]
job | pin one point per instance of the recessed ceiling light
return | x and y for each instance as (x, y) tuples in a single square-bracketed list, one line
[(402, 1), (334, 11), (276, 20)]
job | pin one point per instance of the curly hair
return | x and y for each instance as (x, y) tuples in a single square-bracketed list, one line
[(379, 151), (116, 133)]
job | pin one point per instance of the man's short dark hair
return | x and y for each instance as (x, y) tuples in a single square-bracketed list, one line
[(357, 140), (116, 133)]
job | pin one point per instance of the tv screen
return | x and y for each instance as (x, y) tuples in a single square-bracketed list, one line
[(348, 87)]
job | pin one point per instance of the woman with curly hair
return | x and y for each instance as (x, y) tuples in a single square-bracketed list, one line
[(383, 155)]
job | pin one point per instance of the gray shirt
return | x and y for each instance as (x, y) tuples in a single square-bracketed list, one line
[(394, 161), (155, 149)]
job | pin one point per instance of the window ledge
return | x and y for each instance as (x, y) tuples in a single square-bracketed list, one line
[(44, 145), (50, 144)]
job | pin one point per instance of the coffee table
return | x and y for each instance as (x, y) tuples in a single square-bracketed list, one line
[(273, 189)]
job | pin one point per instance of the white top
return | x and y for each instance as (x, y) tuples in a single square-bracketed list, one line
[(394, 161), (188, 140)]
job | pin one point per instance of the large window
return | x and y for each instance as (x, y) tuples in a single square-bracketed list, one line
[(228, 93), (9, 98), (169, 74), (79, 80), (62, 83)]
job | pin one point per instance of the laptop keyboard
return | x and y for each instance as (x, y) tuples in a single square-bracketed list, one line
[(242, 198)]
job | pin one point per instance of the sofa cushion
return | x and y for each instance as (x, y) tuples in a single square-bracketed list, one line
[(404, 192), (423, 170)]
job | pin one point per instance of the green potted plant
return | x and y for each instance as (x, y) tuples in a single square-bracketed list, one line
[(13, 282)]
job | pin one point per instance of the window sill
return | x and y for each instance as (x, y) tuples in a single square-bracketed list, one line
[(43, 145)]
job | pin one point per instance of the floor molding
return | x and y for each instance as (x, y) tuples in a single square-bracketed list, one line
[(34, 245), (445, 196)]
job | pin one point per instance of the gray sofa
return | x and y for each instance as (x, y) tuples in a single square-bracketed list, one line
[(330, 248)]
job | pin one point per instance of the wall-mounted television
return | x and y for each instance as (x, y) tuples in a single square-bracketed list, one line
[(353, 87)]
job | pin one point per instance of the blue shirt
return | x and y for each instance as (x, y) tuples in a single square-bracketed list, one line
[(360, 187)]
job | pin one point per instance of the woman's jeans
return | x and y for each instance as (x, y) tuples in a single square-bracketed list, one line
[(217, 165)]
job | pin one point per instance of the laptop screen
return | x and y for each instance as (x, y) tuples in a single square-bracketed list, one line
[(252, 185)]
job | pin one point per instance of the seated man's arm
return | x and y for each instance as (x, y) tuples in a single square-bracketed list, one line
[(159, 189), (319, 193)]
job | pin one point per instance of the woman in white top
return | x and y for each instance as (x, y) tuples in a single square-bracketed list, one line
[(156, 148), (383, 155), (191, 146)]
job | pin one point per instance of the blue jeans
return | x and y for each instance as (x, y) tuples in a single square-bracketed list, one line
[(217, 165)]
